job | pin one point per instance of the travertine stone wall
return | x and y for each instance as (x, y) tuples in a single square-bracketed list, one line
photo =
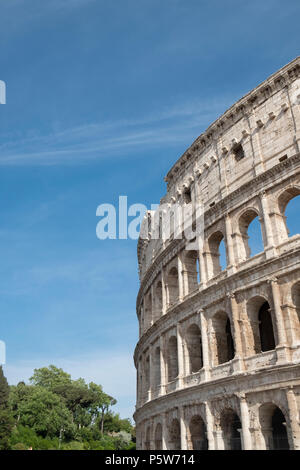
[(218, 359)]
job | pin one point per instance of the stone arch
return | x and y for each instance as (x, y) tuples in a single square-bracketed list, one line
[(172, 358), (191, 270), (283, 200), (273, 426), (213, 255), (231, 429), (223, 346), (174, 435), (173, 285), (156, 367), (262, 330), (245, 220), (194, 348), (197, 439), (158, 437)]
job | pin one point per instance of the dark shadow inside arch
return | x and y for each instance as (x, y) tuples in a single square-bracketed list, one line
[(267, 339)]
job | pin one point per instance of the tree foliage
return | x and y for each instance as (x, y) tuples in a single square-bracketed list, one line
[(56, 412)]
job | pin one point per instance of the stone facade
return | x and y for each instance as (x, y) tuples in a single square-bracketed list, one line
[(218, 358)]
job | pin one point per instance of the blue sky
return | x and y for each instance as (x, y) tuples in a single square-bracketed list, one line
[(102, 98)]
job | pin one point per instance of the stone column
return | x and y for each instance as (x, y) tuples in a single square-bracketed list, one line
[(180, 356), (294, 417), (139, 383), (236, 332), (209, 426), (247, 442), (164, 291), (219, 440), (153, 306), (180, 277), (203, 278), (289, 312), (278, 313), (151, 373), (152, 435), (229, 244), (183, 437), (162, 367), (164, 432), (205, 346), (269, 248)]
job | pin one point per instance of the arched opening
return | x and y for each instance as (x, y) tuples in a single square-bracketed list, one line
[(238, 152), (173, 288), (191, 271), (273, 427), (174, 435), (289, 207), (267, 340), (292, 216), (156, 367), (229, 339), (251, 235), (217, 260), (172, 359), (231, 430), (194, 347), (280, 438), (147, 440), (260, 332), (223, 345), (158, 301), (187, 196), (197, 439), (158, 437)]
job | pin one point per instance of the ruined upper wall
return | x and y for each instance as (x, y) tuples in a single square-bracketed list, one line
[(265, 122)]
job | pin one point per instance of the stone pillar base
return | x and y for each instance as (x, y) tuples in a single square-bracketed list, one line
[(283, 354), (238, 365), (270, 252)]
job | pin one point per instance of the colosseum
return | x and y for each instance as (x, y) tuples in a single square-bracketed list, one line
[(218, 356)]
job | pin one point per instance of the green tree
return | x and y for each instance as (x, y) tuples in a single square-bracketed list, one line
[(6, 420), (50, 377), (4, 390), (101, 404), (46, 413), (78, 399), (18, 394)]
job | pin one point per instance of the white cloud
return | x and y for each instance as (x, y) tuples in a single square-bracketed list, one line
[(171, 125)]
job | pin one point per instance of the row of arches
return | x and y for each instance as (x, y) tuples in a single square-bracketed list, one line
[(273, 431), (182, 352), (248, 238)]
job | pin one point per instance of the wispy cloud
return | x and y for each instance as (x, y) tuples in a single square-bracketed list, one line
[(170, 126)]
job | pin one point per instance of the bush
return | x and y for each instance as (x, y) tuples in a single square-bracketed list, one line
[(73, 445)]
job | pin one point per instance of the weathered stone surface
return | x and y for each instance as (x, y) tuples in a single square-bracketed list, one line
[(218, 359)]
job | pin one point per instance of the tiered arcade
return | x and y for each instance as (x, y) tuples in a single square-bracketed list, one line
[(218, 358)]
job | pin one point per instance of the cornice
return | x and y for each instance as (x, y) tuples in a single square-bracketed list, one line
[(241, 108)]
